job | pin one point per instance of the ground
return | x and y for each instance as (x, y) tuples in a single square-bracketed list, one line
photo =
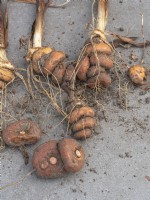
[(117, 156)]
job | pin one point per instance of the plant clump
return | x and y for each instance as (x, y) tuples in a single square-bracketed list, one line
[(94, 65), (96, 59), (46, 60)]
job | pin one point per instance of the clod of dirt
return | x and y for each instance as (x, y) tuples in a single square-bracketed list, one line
[(21, 133)]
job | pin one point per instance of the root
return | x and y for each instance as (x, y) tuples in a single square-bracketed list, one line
[(17, 182), (2, 144)]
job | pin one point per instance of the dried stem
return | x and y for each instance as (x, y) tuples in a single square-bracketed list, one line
[(6, 25), (26, 1), (102, 16), (39, 23), (4, 37), (2, 32), (71, 93), (49, 3)]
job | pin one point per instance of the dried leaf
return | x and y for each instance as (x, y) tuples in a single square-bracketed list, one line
[(128, 40)]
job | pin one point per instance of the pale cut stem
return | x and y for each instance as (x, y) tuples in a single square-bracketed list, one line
[(102, 15), (3, 55), (39, 24), (4, 62)]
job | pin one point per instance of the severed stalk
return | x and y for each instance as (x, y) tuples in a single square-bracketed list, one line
[(39, 25), (95, 58), (102, 17), (6, 68)]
